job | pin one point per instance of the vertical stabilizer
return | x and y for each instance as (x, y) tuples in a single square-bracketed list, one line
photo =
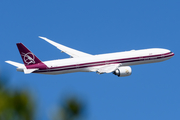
[(27, 56)]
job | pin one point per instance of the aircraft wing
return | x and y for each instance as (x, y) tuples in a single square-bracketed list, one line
[(72, 52), (108, 68)]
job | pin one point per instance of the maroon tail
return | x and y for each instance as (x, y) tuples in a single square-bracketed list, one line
[(27, 56)]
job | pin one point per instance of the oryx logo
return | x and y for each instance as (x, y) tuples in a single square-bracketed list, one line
[(28, 57)]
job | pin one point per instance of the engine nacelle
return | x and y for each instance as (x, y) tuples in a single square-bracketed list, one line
[(123, 71)]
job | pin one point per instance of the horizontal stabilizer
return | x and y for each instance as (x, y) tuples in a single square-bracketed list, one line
[(28, 71), (19, 65), (108, 68)]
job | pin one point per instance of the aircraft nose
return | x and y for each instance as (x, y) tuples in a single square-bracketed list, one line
[(171, 53)]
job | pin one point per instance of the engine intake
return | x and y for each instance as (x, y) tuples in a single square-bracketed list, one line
[(123, 71)]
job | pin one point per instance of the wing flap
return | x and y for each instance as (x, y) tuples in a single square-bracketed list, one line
[(72, 52)]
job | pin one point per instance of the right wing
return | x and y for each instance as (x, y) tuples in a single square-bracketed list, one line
[(108, 68), (72, 52)]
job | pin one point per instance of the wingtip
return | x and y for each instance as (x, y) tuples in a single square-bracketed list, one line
[(44, 38), (6, 61), (41, 37)]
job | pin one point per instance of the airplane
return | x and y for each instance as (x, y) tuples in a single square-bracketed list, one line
[(117, 63)]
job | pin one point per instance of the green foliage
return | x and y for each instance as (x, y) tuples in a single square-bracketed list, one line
[(15, 104), (18, 105), (70, 109)]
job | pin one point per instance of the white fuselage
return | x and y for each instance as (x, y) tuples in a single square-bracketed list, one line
[(93, 63)]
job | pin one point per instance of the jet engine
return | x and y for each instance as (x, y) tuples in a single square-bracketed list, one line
[(123, 71)]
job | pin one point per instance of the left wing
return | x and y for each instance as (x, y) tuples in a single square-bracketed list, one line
[(72, 52)]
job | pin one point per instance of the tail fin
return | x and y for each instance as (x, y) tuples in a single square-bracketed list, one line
[(27, 56)]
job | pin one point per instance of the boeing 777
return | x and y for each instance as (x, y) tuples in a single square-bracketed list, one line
[(117, 63)]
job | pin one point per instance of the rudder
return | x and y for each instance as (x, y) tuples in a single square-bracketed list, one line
[(27, 56)]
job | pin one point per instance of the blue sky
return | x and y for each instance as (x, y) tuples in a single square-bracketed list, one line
[(95, 27)]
